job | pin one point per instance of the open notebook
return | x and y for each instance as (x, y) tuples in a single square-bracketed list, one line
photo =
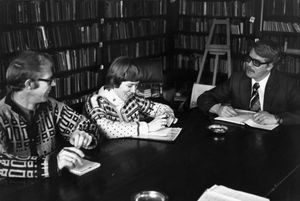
[(222, 193), (86, 167), (244, 117), (165, 134)]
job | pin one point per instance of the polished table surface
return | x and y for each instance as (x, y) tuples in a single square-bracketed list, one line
[(248, 159)]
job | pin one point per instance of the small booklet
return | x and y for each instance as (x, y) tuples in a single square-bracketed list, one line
[(222, 193), (86, 167), (165, 134), (244, 117)]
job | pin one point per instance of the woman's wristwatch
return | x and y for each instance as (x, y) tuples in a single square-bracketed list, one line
[(279, 119)]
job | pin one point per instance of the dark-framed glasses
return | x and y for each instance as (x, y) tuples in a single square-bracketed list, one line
[(49, 81), (255, 62)]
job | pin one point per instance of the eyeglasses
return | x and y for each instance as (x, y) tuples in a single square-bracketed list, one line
[(49, 81), (255, 62)]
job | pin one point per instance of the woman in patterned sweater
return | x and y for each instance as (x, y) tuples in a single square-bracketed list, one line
[(116, 108), (31, 123)]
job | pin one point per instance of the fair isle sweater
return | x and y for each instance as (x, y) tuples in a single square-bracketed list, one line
[(29, 149), (119, 119)]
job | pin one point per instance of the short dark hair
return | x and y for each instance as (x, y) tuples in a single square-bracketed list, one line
[(122, 69), (268, 49), (27, 65)]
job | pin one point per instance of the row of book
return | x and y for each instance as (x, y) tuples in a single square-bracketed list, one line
[(73, 59), (202, 25), (291, 27), (135, 8), (291, 43), (76, 83), (33, 11), (290, 65), (141, 48), (190, 61), (239, 45), (285, 42), (282, 7), (196, 42), (42, 37), (130, 29), (73, 101), (232, 8), (193, 62)]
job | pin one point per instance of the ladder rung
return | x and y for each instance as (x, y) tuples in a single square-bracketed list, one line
[(218, 49), (217, 52)]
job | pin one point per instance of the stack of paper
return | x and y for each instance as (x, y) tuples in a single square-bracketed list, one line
[(86, 167), (222, 193)]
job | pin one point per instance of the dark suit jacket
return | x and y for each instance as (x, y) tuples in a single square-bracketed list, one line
[(282, 95)]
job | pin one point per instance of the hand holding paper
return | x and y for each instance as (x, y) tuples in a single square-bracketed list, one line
[(85, 167), (164, 134)]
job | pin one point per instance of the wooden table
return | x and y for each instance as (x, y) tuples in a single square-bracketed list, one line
[(248, 159)]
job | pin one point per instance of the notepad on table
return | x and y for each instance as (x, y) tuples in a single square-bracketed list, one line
[(244, 117), (86, 167), (222, 193), (164, 134)]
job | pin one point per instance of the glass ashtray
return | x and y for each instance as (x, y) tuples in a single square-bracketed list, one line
[(149, 196), (217, 131)]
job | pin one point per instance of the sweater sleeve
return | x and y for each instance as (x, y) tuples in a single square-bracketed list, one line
[(110, 127), (69, 121), (153, 109), (25, 167)]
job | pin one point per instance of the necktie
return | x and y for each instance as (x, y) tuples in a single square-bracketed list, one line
[(254, 101)]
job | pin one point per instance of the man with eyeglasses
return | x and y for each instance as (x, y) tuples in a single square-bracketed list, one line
[(274, 96), (31, 123)]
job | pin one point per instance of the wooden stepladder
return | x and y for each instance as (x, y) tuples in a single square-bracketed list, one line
[(217, 50)]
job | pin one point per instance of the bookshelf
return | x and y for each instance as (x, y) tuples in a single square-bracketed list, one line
[(281, 23), (83, 36), (135, 28), (194, 22), (69, 30)]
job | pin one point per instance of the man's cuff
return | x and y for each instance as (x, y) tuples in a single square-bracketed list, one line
[(279, 119)]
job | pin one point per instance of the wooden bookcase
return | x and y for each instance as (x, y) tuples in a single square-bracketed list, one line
[(69, 30), (281, 23), (194, 21), (134, 28), (84, 36)]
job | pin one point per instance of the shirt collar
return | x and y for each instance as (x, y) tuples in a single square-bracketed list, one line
[(262, 83), (111, 96), (16, 108)]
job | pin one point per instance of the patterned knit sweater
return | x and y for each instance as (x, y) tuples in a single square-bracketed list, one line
[(29, 149), (117, 118)]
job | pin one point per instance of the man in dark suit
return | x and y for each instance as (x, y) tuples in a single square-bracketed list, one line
[(274, 96)]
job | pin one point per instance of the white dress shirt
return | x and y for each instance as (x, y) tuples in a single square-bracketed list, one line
[(261, 89)]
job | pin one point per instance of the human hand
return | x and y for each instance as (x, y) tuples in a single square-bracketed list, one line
[(80, 139), (68, 157), (226, 111), (263, 117), (4, 111), (157, 123), (171, 119)]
